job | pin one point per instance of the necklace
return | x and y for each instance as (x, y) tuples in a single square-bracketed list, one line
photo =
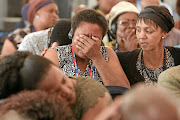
[(92, 68), (143, 67)]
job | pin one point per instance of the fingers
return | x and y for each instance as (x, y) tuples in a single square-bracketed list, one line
[(54, 44), (83, 41), (44, 52)]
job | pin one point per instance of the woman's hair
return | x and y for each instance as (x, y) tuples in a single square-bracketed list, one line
[(89, 16), (160, 15), (36, 105), (20, 71)]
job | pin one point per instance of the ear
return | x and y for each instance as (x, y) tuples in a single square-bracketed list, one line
[(165, 35)]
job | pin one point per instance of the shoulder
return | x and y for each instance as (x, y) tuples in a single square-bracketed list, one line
[(90, 88), (170, 79), (94, 96), (36, 35)]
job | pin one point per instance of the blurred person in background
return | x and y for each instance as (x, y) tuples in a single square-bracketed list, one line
[(36, 42), (41, 14), (177, 22), (122, 24), (104, 6), (23, 22)]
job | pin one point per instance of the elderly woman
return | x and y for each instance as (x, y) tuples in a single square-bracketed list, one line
[(122, 24), (22, 70), (41, 14), (85, 56), (145, 64)]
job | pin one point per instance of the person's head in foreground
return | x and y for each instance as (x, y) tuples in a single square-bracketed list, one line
[(142, 102), (35, 105), (22, 70)]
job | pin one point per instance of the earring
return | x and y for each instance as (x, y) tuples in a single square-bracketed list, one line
[(37, 16), (163, 37)]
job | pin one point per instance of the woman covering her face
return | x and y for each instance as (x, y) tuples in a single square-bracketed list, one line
[(23, 70), (85, 56), (145, 64)]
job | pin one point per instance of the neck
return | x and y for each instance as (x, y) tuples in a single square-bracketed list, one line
[(38, 27), (153, 59), (82, 63)]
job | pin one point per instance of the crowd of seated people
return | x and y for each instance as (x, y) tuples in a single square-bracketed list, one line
[(65, 71)]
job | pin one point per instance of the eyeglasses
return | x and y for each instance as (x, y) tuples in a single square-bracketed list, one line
[(127, 22)]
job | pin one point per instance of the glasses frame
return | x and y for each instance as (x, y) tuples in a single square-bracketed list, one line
[(127, 22)]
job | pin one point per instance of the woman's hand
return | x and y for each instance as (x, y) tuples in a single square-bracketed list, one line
[(45, 49), (127, 40), (130, 42), (89, 46)]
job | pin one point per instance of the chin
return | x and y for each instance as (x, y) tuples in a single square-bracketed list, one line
[(81, 55)]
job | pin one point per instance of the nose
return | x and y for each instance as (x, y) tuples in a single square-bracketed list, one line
[(132, 25), (55, 14)]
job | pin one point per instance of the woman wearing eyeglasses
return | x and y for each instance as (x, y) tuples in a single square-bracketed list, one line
[(145, 64), (122, 22)]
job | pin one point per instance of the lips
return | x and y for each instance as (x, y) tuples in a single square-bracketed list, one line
[(143, 43)]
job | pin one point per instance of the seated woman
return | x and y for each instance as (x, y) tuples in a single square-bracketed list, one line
[(35, 105), (23, 70), (122, 27), (36, 42), (85, 56), (41, 14), (145, 64)]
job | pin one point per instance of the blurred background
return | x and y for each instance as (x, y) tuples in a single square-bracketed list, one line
[(10, 11)]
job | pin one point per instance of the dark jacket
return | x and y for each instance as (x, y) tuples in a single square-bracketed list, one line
[(128, 62)]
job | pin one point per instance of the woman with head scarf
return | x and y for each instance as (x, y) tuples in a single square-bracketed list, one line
[(41, 14), (145, 64)]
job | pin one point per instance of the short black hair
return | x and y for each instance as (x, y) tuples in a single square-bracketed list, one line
[(90, 16)]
